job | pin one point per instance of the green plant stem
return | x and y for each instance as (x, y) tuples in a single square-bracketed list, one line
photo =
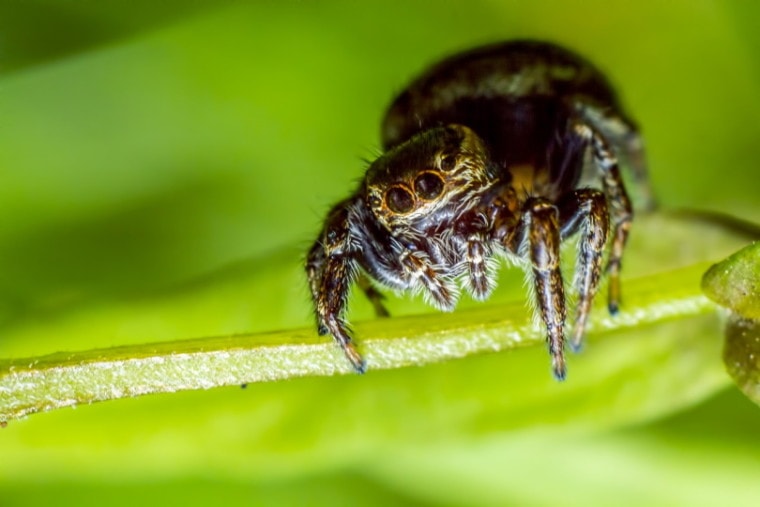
[(67, 379)]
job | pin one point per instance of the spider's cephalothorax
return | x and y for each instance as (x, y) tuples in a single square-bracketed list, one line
[(502, 151)]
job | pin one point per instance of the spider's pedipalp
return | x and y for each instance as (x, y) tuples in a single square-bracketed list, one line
[(435, 286)]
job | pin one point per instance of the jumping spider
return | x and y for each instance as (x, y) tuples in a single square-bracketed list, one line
[(502, 151)]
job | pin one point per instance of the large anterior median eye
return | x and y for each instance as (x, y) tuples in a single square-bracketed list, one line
[(399, 200), (428, 186)]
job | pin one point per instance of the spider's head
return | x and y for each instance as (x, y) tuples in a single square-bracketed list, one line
[(438, 170)]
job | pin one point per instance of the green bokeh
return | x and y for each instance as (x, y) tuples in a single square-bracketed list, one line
[(147, 149)]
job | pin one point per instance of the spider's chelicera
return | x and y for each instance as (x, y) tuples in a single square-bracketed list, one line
[(503, 151)]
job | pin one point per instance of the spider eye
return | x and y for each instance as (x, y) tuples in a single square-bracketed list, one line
[(399, 200), (428, 186), (448, 162), (374, 201)]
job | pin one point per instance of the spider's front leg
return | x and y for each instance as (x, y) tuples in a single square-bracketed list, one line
[(542, 232), (585, 209), (331, 268)]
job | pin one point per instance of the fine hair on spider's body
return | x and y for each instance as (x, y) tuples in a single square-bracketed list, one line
[(502, 151)]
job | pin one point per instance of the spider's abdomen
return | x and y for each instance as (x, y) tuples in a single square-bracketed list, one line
[(506, 76), (517, 96)]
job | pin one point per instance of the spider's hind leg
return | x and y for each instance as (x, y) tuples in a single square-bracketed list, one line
[(608, 131), (624, 137), (621, 214), (585, 209)]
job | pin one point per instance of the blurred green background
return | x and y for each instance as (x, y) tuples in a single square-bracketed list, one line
[(153, 151)]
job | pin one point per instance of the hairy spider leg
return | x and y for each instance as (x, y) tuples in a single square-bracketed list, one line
[(623, 135), (621, 213), (374, 296), (585, 210), (331, 268), (541, 220), (315, 262), (635, 155)]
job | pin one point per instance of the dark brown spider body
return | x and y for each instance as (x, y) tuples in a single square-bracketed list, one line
[(503, 151)]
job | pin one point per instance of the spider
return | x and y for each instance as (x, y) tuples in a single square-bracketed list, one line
[(503, 151)]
